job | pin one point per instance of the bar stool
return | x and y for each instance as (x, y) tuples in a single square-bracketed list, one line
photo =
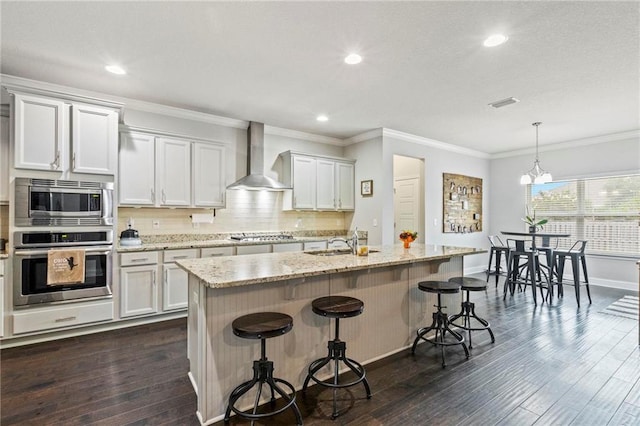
[(517, 249), (440, 322), (337, 307), (498, 248), (468, 310), (262, 325), (576, 255)]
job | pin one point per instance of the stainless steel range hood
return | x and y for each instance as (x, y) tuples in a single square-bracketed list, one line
[(256, 180)]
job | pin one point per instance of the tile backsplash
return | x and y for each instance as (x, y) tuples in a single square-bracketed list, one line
[(246, 211)]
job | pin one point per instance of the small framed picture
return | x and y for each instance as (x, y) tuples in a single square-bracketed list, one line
[(366, 188)]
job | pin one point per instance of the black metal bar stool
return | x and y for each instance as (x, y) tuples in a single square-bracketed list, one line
[(262, 325), (337, 307), (440, 322), (577, 256), (498, 248), (468, 310)]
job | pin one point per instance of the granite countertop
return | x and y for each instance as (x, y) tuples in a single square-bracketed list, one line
[(233, 271), (186, 244)]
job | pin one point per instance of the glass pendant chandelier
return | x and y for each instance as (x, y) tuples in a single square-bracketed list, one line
[(537, 174)]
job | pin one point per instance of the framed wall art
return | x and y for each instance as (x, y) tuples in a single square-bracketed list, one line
[(461, 203), (366, 188)]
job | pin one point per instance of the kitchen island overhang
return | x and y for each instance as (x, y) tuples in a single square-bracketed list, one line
[(222, 289)]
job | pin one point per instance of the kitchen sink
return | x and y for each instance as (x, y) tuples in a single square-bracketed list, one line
[(334, 252)]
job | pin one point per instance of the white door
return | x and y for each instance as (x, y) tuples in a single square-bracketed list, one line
[(208, 175), (41, 133), (173, 172), (345, 184), (325, 185), (138, 293), (406, 201), (137, 169), (304, 182), (174, 292), (94, 139)]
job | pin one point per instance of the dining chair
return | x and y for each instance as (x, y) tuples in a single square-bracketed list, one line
[(577, 256), (498, 247)]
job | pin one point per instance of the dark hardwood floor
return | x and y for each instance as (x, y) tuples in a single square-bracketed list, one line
[(551, 365)]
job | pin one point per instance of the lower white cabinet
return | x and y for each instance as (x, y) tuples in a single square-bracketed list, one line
[(72, 314), (1, 298), (253, 249), (138, 284), (175, 279), (281, 248)]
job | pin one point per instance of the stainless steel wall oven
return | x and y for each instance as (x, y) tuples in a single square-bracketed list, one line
[(31, 259)]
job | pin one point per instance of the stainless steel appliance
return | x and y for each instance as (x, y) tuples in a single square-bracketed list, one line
[(260, 237), (30, 266), (48, 202)]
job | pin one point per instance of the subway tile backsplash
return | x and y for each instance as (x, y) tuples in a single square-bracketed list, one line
[(246, 211)]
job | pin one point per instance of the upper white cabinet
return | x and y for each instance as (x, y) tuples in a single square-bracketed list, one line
[(209, 182), (64, 136), (173, 172), (319, 183), (166, 171), (4, 159)]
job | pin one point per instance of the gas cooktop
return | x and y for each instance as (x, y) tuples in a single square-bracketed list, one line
[(260, 237)]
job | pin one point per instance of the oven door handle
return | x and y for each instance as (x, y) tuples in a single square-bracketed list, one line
[(41, 252)]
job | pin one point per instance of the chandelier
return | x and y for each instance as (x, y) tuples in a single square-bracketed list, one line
[(537, 174)]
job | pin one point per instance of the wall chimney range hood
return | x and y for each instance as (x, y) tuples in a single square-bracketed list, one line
[(256, 180)]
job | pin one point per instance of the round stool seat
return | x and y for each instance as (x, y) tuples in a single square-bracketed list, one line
[(337, 306), (443, 287), (469, 283), (262, 325)]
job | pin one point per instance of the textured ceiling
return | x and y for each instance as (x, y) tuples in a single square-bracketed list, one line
[(575, 66)]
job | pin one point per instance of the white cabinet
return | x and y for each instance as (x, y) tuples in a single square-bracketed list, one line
[(319, 183), (49, 137), (217, 252), (68, 315), (315, 245), (173, 172), (1, 297), (175, 287), (137, 169), (209, 181), (285, 247), (253, 249), (138, 286), (162, 171), (4, 160)]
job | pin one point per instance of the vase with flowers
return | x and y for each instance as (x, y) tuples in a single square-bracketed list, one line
[(534, 224), (407, 237)]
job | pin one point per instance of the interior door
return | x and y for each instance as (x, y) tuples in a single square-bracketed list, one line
[(406, 203)]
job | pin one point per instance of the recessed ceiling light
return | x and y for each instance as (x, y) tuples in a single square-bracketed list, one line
[(495, 40), (115, 69), (322, 118), (353, 59)]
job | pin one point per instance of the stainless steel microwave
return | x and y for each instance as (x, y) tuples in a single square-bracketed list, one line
[(48, 202)]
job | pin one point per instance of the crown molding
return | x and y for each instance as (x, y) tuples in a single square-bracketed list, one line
[(295, 134), (187, 114), (576, 143), (371, 134), (433, 143)]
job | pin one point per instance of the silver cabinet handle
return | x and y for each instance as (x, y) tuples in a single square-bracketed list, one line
[(56, 161), (153, 275), (73, 161), (180, 257), (166, 277), (141, 259), (64, 319), (214, 254), (153, 195), (164, 197)]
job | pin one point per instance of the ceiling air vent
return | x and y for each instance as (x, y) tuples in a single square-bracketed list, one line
[(504, 102)]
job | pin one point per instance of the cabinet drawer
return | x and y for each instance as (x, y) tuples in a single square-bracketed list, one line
[(138, 258), (315, 245), (261, 248), (281, 248), (62, 316), (173, 255), (217, 251)]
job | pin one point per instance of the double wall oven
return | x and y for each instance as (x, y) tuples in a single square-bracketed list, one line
[(57, 214)]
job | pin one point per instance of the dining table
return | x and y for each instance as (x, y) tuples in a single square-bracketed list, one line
[(546, 237)]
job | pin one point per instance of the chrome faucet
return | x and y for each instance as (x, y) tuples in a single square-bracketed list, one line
[(352, 243)]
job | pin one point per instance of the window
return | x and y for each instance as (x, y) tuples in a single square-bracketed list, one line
[(604, 211)]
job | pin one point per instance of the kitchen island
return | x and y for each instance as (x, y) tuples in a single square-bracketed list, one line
[(224, 288)]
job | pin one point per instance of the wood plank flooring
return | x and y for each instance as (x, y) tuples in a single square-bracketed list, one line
[(551, 365)]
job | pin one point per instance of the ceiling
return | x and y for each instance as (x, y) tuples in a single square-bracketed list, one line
[(575, 66)]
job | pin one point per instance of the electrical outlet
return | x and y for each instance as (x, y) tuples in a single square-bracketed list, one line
[(156, 224), (375, 222), (130, 222)]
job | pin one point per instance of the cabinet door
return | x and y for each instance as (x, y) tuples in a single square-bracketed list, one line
[(138, 292), (173, 172), (254, 249), (345, 186), (174, 291), (209, 182), (304, 182), (40, 133), (325, 185), (4, 159), (94, 139), (136, 169)]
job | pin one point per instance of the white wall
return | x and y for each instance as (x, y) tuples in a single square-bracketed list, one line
[(507, 196)]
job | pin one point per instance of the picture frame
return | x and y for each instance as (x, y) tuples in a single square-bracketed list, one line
[(366, 188)]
